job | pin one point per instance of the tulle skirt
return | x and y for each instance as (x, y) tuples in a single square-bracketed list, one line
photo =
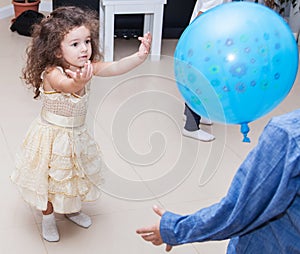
[(60, 165)]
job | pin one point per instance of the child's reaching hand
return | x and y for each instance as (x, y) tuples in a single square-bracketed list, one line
[(83, 75), (125, 64), (145, 46)]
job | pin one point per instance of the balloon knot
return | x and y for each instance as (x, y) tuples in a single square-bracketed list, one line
[(244, 130), (246, 139)]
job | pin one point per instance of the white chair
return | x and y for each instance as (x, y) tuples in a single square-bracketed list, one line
[(153, 20)]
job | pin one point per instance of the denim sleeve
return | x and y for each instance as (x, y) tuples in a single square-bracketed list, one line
[(262, 189)]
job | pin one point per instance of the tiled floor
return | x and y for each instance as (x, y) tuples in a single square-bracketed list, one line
[(137, 120)]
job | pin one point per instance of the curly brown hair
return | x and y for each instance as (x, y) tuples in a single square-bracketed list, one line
[(45, 47)]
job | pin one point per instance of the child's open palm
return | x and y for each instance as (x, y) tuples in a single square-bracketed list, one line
[(82, 76)]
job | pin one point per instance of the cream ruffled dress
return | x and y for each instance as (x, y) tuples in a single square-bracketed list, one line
[(58, 160)]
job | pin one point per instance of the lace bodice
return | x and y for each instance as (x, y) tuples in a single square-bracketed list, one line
[(64, 104)]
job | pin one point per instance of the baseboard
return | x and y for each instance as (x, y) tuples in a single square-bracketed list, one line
[(8, 11)]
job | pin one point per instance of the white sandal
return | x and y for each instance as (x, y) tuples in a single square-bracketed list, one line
[(80, 218)]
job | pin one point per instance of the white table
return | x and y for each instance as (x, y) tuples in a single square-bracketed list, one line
[(153, 21)]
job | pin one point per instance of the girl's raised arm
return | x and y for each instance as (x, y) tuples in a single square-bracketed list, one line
[(125, 64)]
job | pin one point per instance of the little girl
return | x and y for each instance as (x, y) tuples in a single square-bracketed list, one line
[(59, 164)]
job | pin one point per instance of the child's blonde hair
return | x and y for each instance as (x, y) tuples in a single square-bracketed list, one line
[(45, 48)]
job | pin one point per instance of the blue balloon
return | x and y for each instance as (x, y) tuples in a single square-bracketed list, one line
[(235, 63)]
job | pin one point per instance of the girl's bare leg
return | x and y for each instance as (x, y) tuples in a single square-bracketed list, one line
[(49, 209)]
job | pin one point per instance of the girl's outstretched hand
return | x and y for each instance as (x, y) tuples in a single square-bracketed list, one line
[(145, 46), (83, 75), (152, 233)]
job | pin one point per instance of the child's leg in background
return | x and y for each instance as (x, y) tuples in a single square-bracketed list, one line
[(192, 119), (191, 128)]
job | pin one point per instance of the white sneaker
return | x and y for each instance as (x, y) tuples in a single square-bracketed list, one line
[(80, 218), (205, 121), (49, 228), (199, 135)]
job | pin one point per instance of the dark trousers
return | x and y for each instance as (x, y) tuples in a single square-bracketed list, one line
[(192, 119)]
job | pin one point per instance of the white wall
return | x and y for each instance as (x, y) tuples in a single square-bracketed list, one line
[(5, 3), (6, 8)]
